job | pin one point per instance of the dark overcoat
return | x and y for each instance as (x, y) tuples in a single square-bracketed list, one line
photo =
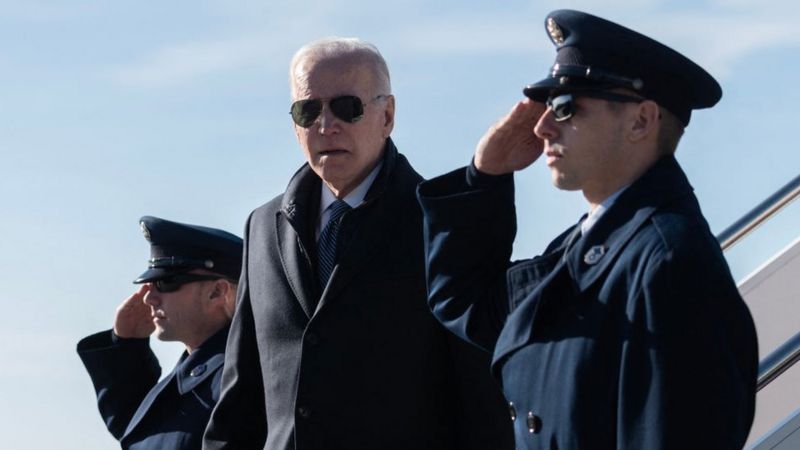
[(362, 365), (636, 338), (142, 412)]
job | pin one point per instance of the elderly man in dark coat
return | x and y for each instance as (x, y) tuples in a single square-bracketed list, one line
[(332, 345), (187, 295), (628, 332)]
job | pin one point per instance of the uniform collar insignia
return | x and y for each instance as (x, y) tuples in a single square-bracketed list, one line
[(594, 254)]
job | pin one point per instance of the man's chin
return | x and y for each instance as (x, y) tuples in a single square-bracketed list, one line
[(562, 183), (163, 335)]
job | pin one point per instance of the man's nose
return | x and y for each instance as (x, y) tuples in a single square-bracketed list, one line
[(328, 122), (546, 127), (152, 296)]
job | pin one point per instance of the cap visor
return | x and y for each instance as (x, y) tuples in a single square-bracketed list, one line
[(157, 274), (543, 89)]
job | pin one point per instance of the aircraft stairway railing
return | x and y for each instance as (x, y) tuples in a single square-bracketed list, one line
[(759, 214), (789, 353), (779, 361), (786, 354)]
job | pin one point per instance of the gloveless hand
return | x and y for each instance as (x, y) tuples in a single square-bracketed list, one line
[(133, 318), (510, 144)]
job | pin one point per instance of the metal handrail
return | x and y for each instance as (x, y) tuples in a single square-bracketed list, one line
[(788, 353), (779, 361), (759, 214)]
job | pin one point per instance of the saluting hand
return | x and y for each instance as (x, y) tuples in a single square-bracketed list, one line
[(510, 143), (133, 318)]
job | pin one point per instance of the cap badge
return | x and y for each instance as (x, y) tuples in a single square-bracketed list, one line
[(145, 231), (554, 31), (594, 255)]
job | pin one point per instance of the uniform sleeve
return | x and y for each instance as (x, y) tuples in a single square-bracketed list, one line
[(239, 419), (469, 230), (122, 371), (689, 361)]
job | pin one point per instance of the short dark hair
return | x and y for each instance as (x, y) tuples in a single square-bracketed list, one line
[(669, 133), (670, 128)]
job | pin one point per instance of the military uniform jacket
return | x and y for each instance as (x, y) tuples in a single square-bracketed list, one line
[(362, 365), (142, 412), (635, 338)]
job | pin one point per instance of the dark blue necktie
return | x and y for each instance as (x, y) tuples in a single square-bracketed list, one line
[(326, 246)]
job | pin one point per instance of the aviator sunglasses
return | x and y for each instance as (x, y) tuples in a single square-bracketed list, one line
[(174, 282), (345, 107), (563, 105)]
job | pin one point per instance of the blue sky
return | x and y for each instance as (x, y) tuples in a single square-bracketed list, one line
[(114, 110)]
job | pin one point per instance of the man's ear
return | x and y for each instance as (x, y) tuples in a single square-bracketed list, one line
[(645, 120), (220, 290)]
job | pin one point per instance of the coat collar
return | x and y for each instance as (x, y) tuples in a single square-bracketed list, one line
[(593, 254), (191, 370), (299, 201), (547, 277), (196, 367), (296, 244), (294, 227), (375, 220)]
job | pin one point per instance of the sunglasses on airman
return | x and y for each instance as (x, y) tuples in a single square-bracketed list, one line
[(563, 105), (174, 282), (345, 107)]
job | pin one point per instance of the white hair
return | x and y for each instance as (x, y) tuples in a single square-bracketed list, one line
[(359, 51)]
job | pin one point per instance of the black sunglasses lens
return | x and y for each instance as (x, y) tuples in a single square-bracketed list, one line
[(173, 283), (347, 107), (562, 106), (166, 285), (305, 112)]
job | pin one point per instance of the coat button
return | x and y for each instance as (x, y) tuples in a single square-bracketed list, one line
[(199, 370), (304, 412), (534, 423), (512, 411), (312, 339)]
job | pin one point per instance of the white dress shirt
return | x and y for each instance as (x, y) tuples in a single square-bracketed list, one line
[(598, 211), (354, 198)]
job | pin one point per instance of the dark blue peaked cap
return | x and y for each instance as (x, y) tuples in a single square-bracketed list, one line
[(179, 247), (594, 53)]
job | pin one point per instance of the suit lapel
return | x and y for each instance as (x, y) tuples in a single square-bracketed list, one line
[(539, 287), (148, 401), (202, 363), (296, 265), (369, 227), (368, 230), (594, 254), (294, 232)]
